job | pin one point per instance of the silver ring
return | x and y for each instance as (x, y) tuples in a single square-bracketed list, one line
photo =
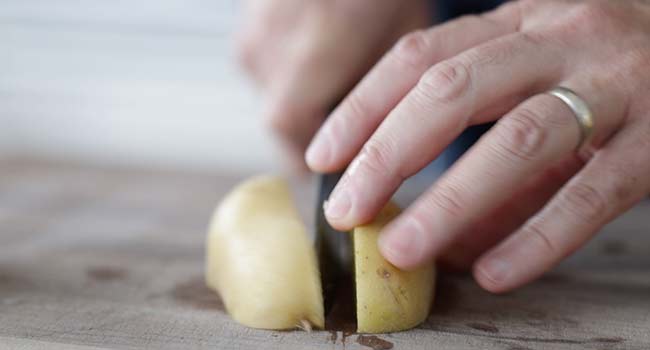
[(580, 109)]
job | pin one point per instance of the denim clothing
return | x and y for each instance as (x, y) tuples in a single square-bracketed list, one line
[(446, 10)]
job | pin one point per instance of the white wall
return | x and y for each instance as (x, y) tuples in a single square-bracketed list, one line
[(146, 82)]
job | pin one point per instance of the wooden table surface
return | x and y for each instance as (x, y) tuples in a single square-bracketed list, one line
[(94, 257)]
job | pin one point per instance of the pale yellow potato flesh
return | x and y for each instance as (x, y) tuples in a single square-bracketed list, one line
[(388, 299), (261, 260)]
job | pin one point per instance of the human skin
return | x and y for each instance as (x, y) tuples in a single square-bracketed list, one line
[(523, 198), (306, 55)]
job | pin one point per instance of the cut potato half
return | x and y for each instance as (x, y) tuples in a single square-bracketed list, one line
[(262, 263), (388, 299), (260, 259)]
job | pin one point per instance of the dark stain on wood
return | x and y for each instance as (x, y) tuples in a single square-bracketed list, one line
[(535, 317), (374, 342), (484, 327), (519, 347), (610, 340), (536, 314), (6, 279), (614, 248), (196, 294), (569, 321), (106, 273), (540, 340)]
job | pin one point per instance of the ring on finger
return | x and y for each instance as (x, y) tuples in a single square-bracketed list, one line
[(580, 109)]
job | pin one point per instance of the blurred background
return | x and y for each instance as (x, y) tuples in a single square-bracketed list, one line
[(150, 82)]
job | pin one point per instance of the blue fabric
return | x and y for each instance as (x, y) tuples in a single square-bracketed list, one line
[(453, 8), (446, 10)]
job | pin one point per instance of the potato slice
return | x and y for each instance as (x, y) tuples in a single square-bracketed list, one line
[(262, 263), (260, 259), (388, 299)]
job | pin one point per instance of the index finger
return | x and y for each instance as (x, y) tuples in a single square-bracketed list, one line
[(352, 123)]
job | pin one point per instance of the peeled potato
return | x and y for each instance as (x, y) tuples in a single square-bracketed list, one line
[(261, 261), (388, 299)]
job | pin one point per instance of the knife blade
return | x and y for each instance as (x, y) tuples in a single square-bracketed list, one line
[(334, 247)]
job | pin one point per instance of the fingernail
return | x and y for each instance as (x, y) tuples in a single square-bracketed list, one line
[(496, 269), (338, 205), (318, 152), (401, 242)]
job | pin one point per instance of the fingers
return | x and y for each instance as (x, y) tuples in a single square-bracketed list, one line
[(300, 96), (610, 183), (388, 82), (541, 131), (498, 224), (435, 112), (293, 115)]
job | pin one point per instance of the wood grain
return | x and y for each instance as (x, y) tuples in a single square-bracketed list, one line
[(113, 258)]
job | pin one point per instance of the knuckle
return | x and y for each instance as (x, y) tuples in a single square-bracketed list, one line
[(420, 217), (541, 238), (377, 157), (588, 17), (445, 82), (588, 11), (643, 58), (503, 51), (558, 173), (532, 39), (412, 49), (522, 136), (356, 105), (495, 53), (626, 177), (627, 188), (640, 59), (525, 4), (633, 62), (448, 198), (512, 8), (585, 202)]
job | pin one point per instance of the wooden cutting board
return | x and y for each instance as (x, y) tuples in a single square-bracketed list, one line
[(94, 257)]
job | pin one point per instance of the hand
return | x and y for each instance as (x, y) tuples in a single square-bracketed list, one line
[(522, 198), (307, 54)]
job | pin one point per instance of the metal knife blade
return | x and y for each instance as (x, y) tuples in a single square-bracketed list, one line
[(334, 247)]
